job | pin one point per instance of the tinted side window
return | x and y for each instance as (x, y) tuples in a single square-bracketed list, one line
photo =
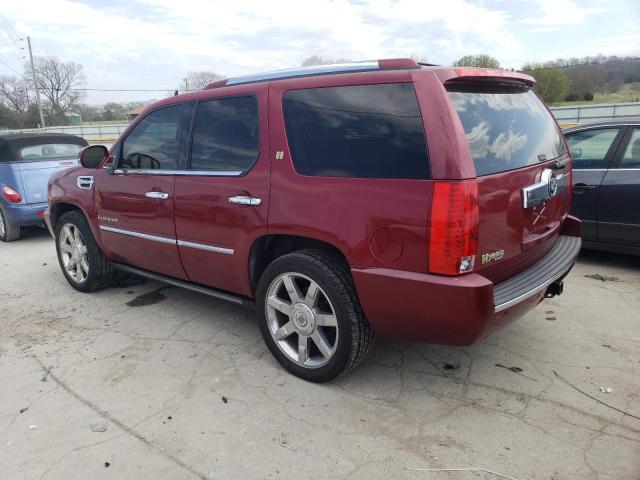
[(225, 136), (631, 157), (588, 149), (368, 131), (154, 142)]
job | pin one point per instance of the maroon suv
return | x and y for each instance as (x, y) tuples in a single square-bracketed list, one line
[(387, 198)]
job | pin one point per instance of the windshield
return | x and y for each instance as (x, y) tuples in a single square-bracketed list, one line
[(50, 151), (506, 127)]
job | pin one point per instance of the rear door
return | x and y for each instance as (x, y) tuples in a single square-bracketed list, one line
[(135, 204), (591, 150), (619, 200), (222, 199), (516, 147), (38, 162), (350, 166)]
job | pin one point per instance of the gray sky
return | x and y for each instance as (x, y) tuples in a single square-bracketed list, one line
[(151, 44)]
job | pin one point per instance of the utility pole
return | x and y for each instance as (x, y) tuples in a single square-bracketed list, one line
[(35, 85)]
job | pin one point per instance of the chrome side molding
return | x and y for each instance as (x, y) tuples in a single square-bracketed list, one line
[(168, 240), (178, 173), (131, 233), (209, 248)]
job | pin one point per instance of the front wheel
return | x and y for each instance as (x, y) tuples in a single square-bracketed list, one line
[(80, 258), (310, 317)]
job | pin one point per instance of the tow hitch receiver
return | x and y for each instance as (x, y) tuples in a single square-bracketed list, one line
[(554, 289)]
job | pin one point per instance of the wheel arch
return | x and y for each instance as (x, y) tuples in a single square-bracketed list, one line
[(267, 248), (56, 211)]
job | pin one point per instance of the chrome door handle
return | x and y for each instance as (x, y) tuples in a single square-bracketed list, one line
[(157, 195), (245, 200)]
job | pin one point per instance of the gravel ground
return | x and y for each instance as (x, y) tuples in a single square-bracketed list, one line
[(183, 388)]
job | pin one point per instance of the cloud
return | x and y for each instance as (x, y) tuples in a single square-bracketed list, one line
[(154, 43), (555, 14)]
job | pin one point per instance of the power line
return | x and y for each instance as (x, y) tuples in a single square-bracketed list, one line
[(12, 36), (585, 64), (8, 28), (1, 60)]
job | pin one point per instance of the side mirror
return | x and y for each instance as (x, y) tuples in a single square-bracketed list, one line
[(93, 156), (576, 152)]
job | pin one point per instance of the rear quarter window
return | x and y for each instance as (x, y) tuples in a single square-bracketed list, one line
[(50, 151), (363, 131), (506, 127)]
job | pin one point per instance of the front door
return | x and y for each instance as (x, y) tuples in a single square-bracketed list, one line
[(618, 204), (135, 203), (222, 199), (592, 151)]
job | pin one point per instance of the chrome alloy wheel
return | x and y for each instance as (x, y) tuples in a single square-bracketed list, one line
[(73, 252), (301, 320), (3, 230)]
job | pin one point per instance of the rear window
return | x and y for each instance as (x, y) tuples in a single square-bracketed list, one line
[(363, 131), (506, 127), (50, 151)]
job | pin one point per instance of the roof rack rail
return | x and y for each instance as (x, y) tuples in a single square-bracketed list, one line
[(352, 67)]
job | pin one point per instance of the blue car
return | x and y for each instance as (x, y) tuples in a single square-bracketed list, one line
[(27, 160)]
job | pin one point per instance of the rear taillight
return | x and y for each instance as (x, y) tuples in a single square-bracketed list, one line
[(11, 195), (453, 229)]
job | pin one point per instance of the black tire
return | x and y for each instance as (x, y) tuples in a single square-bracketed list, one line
[(354, 339), (100, 274), (11, 231)]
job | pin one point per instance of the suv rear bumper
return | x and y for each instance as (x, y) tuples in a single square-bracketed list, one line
[(456, 310)]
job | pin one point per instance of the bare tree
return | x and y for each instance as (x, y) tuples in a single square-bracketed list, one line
[(14, 93), (199, 80), (58, 82), (314, 60), (419, 57)]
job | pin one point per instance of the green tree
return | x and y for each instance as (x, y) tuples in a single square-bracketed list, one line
[(552, 84), (481, 60)]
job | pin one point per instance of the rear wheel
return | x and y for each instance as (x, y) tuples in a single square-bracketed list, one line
[(81, 260), (309, 315), (8, 231)]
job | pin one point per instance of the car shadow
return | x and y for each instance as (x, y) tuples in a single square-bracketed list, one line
[(34, 233), (597, 258)]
